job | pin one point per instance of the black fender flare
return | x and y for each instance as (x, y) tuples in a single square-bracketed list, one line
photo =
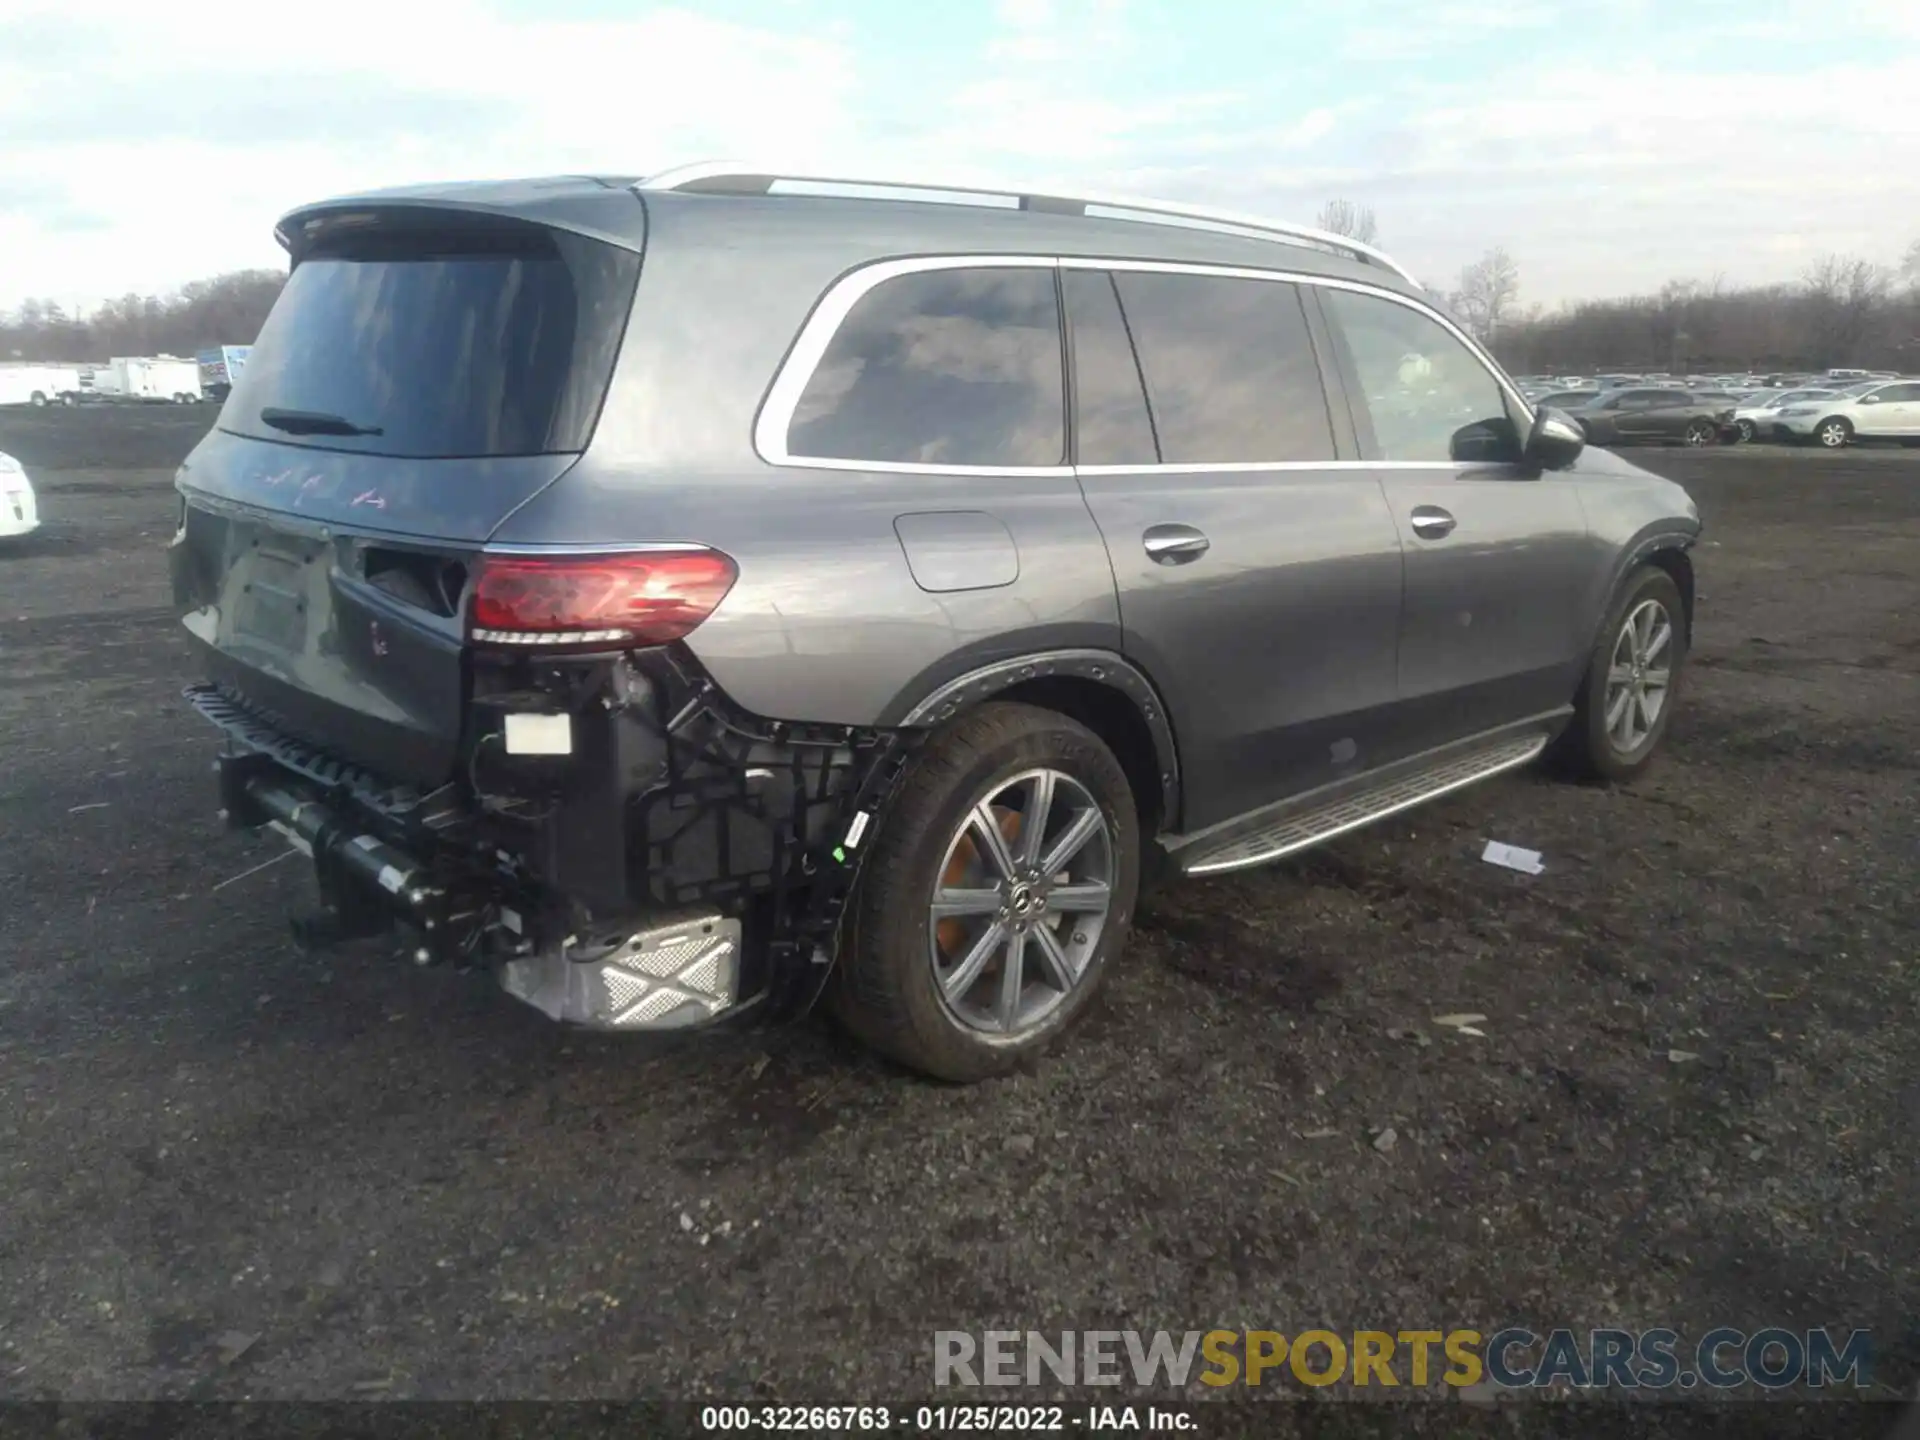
[(1637, 554), (1101, 667)]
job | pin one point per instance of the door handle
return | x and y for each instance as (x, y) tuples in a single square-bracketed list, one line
[(1430, 522), (1174, 544)]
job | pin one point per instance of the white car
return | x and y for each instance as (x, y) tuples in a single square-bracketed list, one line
[(1877, 410), (19, 513), (1754, 416)]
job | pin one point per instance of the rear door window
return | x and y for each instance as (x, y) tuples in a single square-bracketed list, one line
[(1230, 369), (1430, 398), (1111, 424), (473, 338), (959, 367)]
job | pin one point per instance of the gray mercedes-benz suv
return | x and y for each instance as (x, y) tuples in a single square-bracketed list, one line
[(692, 597)]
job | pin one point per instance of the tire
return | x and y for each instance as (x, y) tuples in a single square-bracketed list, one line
[(38, 400), (901, 984), (1833, 433), (1746, 431), (1698, 433), (1587, 749)]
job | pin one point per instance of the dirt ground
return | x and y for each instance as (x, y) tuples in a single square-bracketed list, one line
[(401, 1183)]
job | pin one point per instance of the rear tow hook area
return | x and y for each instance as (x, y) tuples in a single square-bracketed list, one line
[(366, 883), (669, 972)]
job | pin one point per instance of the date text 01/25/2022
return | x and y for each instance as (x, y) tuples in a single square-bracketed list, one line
[(943, 1419)]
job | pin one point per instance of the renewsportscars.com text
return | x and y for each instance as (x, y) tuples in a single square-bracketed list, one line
[(1772, 1358)]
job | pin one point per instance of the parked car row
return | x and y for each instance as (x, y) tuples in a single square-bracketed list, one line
[(1612, 410)]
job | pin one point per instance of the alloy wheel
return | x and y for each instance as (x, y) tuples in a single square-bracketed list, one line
[(1833, 434), (1639, 676), (1699, 432), (1022, 897)]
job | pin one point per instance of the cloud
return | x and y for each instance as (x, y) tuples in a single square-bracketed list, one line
[(140, 153), (194, 139)]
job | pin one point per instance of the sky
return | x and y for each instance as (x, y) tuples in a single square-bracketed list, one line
[(1608, 145)]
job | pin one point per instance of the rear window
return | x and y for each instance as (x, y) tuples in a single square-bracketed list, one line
[(485, 339)]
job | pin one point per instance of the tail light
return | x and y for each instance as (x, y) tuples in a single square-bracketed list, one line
[(639, 597)]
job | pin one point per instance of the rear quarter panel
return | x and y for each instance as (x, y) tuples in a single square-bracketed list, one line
[(826, 622)]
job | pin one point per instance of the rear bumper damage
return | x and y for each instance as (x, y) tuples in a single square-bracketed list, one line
[(686, 865)]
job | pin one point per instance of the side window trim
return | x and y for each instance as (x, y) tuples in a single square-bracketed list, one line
[(1139, 370), (817, 331), (1067, 327), (1341, 375), (823, 322)]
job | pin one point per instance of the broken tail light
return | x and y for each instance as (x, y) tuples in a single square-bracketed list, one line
[(639, 597)]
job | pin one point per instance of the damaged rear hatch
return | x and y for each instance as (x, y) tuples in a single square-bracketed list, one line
[(427, 370)]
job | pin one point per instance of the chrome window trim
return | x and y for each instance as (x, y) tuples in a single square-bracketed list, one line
[(775, 420), (830, 312), (1254, 467)]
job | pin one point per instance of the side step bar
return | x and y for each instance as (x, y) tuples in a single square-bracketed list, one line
[(1346, 805)]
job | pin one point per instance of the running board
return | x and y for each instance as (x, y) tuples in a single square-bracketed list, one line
[(1334, 810)]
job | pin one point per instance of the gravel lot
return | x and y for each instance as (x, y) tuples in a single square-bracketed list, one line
[(401, 1183)]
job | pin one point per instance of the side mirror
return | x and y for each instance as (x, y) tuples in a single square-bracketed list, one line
[(1555, 441)]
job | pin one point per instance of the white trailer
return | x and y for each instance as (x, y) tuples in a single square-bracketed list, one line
[(38, 384), (165, 378)]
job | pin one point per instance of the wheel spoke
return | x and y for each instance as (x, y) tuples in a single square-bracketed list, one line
[(1642, 630), (1662, 636), (1072, 841), (1033, 826), (1619, 675), (957, 981), (1645, 713), (1013, 976), (1088, 899), (948, 903), (1617, 709), (1053, 959), (991, 843)]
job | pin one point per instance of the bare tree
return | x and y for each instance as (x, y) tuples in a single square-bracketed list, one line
[(1910, 265), (1843, 298), (1843, 312), (1343, 217), (225, 310), (1489, 290)]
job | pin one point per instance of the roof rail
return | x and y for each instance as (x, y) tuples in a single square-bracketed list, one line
[(726, 177)]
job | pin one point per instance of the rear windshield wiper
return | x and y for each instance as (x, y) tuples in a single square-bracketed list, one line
[(314, 422)]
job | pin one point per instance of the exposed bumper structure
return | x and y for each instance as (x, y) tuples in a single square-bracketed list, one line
[(736, 856), (673, 975)]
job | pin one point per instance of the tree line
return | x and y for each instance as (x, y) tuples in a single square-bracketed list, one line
[(225, 310), (1843, 310)]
